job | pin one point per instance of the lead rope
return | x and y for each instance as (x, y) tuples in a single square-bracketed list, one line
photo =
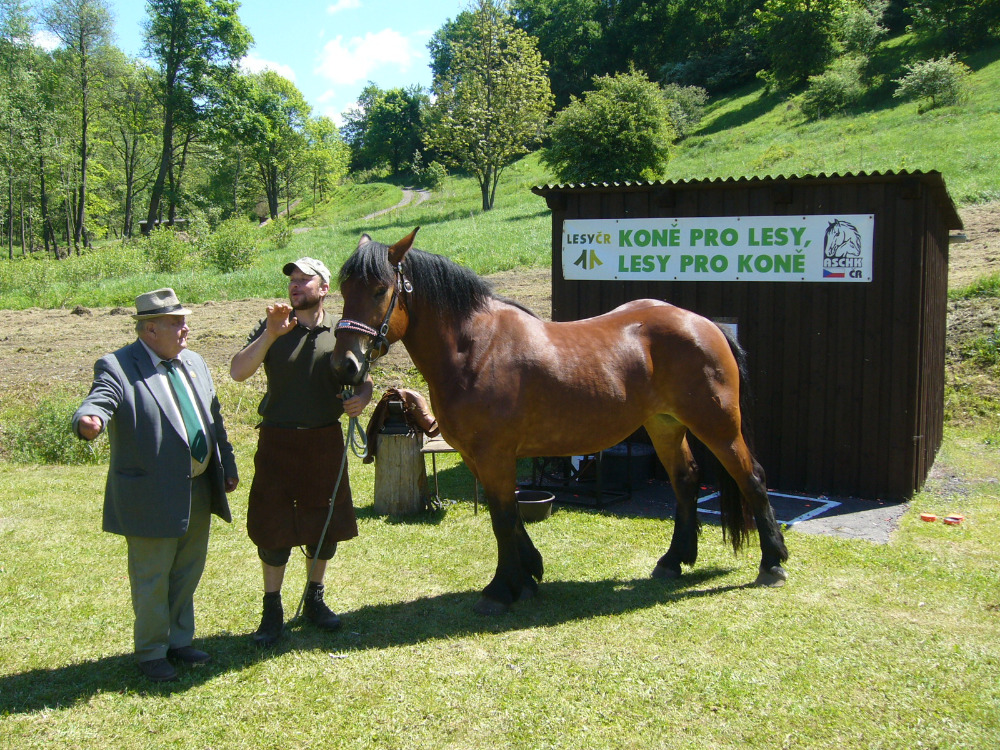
[(357, 439)]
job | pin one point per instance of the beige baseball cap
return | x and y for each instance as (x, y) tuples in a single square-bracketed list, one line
[(309, 266)]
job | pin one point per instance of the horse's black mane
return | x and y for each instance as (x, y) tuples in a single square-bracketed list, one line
[(455, 290)]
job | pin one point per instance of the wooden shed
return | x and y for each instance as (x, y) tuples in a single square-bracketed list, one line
[(846, 352)]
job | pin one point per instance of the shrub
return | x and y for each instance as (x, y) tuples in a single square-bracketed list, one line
[(721, 71), (619, 131), (233, 246), (45, 436), (861, 26), (433, 177), (839, 88), (941, 80), (686, 106), (165, 249), (279, 232)]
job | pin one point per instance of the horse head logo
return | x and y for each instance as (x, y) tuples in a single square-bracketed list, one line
[(842, 240)]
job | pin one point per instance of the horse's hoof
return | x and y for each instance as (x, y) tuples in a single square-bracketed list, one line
[(772, 577), (527, 592), (489, 607), (662, 571)]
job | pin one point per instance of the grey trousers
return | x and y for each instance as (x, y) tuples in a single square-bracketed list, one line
[(163, 574)]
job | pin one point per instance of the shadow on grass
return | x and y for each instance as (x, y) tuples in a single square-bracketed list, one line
[(750, 111), (371, 627)]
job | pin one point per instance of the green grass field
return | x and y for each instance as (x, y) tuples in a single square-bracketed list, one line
[(892, 646)]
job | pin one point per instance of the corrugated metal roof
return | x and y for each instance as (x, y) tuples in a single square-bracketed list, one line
[(932, 179)]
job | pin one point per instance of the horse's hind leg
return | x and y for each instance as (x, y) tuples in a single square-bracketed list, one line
[(772, 541), (750, 482), (669, 439)]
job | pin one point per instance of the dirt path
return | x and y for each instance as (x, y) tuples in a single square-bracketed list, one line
[(409, 194)]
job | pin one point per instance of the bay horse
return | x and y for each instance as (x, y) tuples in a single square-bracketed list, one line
[(505, 385)]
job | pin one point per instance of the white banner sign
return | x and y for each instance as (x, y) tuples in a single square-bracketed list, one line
[(833, 248)]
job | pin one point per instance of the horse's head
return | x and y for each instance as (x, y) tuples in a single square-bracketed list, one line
[(372, 285)]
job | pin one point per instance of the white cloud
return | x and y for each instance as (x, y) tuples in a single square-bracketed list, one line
[(46, 40), (340, 5), (354, 61), (253, 64)]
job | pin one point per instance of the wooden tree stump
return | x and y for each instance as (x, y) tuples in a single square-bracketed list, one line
[(400, 476)]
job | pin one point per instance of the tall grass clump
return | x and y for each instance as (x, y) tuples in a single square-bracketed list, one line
[(41, 433), (984, 287)]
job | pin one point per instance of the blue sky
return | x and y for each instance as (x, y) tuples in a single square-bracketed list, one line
[(330, 49)]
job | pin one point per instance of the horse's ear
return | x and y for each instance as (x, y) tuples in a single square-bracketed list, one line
[(364, 239), (398, 251)]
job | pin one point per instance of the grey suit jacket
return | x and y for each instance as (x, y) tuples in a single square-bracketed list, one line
[(148, 491)]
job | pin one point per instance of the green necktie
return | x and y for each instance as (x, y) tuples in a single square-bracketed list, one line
[(196, 435)]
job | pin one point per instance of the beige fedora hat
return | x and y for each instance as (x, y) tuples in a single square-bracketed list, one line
[(158, 303)]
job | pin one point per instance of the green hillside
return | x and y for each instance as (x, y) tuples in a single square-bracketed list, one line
[(753, 134), (748, 133)]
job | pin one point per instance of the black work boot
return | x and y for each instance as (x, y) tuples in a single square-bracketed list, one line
[(272, 622), (315, 609)]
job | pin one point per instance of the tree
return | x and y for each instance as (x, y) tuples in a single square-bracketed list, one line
[(710, 44), (270, 125), (384, 129), (618, 132), (327, 156), (196, 44), (84, 27), (797, 38), (493, 102), (570, 37), (956, 24), (131, 129), (18, 107)]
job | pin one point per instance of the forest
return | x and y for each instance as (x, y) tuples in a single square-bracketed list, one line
[(98, 145)]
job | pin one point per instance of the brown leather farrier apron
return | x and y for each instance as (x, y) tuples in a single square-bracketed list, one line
[(295, 472)]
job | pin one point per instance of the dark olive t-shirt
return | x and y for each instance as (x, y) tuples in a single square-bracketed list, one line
[(301, 388)]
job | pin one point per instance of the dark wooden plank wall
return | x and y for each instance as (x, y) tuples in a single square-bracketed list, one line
[(848, 379)]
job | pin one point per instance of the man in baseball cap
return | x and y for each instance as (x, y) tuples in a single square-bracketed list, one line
[(300, 445)]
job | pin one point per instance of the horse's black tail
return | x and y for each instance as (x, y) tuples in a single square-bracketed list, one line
[(737, 518)]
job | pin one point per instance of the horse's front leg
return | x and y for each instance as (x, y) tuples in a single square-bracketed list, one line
[(519, 564)]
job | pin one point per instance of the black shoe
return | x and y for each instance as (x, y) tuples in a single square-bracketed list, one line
[(188, 655), (316, 611), (272, 622), (158, 670)]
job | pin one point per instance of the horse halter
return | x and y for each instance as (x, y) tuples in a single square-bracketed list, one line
[(379, 343)]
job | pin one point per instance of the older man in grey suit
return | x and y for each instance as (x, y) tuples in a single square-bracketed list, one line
[(171, 467)]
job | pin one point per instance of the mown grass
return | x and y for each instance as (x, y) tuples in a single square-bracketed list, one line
[(894, 646)]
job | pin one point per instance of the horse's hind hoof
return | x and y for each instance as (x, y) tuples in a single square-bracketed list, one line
[(662, 571), (773, 578), (528, 591), (489, 607)]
